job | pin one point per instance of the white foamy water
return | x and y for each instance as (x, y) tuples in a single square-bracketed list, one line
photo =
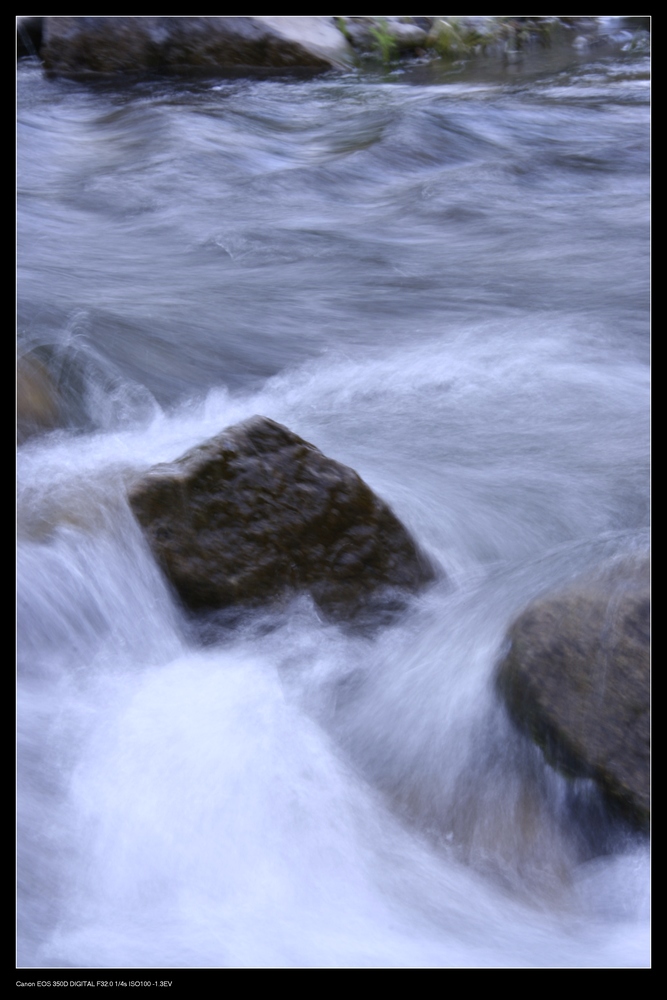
[(445, 290)]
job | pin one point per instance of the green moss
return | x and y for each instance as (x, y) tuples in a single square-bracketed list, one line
[(342, 27), (453, 38), (386, 46), (448, 41)]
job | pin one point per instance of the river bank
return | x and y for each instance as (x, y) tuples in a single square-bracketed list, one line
[(108, 46)]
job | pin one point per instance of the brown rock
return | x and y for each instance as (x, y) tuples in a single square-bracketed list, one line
[(37, 402), (257, 513)]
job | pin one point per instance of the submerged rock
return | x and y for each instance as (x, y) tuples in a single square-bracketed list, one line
[(576, 679), (69, 385), (257, 513), (38, 405), (76, 46)]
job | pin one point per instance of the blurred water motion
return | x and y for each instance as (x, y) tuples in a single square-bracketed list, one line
[(443, 285)]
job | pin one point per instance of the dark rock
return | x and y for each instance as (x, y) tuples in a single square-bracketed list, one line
[(425, 23), (76, 46), (257, 513), (28, 36), (641, 23), (576, 679)]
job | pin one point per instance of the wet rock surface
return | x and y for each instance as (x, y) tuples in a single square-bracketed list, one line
[(305, 44), (38, 406), (109, 45), (576, 680), (74, 387), (257, 513)]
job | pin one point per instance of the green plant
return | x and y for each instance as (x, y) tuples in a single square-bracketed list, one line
[(448, 40), (386, 43), (342, 27)]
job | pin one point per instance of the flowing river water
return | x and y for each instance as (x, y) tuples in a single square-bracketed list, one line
[(442, 282)]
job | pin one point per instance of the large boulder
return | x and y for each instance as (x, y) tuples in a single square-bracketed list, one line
[(76, 46), (258, 513), (576, 679)]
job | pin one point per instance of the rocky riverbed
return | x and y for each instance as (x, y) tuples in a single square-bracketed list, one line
[(108, 46)]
